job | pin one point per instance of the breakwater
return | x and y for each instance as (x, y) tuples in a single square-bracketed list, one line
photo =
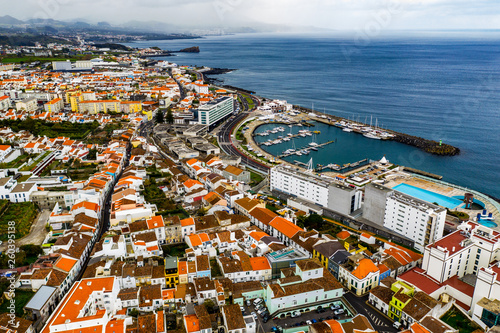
[(429, 146)]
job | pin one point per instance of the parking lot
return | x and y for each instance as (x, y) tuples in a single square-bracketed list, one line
[(287, 321)]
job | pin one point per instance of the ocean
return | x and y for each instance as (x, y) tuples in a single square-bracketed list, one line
[(440, 86)]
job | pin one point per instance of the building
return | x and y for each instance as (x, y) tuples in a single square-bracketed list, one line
[(4, 151), (323, 251), (462, 252), (54, 105), (22, 192), (4, 103), (374, 202), (100, 106), (234, 173), (48, 199), (28, 105), (90, 303), (359, 274), (41, 305), (418, 220), (171, 271), (309, 285), (322, 191), (214, 111)]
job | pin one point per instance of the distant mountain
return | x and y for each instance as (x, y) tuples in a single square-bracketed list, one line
[(9, 20)]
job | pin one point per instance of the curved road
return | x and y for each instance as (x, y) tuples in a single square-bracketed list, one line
[(226, 141)]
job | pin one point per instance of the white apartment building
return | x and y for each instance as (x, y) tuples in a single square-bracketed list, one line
[(4, 102), (216, 110), (318, 190), (462, 252), (29, 105), (415, 219)]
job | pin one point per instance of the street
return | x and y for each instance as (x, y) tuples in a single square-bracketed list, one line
[(378, 321)]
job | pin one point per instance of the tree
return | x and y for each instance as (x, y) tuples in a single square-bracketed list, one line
[(159, 117), (170, 117)]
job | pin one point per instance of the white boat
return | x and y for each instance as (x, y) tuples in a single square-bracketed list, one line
[(313, 144), (315, 149), (347, 129), (309, 134), (303, 135), (298, 153), (371, 135)]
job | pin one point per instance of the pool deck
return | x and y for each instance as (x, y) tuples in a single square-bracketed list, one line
[(402, 177)]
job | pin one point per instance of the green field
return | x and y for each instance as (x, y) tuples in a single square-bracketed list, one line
[(256, 178), (22, 298), (17, 162), (28, 59), (23, 214), (51, 130)]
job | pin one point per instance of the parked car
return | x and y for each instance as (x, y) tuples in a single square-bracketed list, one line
[(295, 314), (259, 306), (258, 301), (242, 308), (308, 322), (314, 321), (254, 315), (262, 310), (396, 325), (248, 302), (339, 311), (266, 318), (335, 307), (319, 309)]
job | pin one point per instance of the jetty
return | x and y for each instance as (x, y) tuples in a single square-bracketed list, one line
[(304, 150), (343, 168)]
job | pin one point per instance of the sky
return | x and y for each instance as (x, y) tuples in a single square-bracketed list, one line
[(366, 15)]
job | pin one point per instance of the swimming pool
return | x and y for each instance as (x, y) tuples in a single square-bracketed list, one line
[(489, 224), (429, 196)]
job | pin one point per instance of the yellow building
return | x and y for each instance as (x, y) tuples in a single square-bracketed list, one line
[(93, 107), (74, 99), (171, 272), (149, 114), (54, 105), (131, 106), (325, 250)]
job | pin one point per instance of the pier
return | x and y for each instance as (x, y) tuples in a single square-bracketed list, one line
[(306, 148), (344, 168)]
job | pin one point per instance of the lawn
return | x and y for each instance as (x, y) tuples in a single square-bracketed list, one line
[(256, 178), (17, 162), (22, 298), (457, 320), (23, 213)]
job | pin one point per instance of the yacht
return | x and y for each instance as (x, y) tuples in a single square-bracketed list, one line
[(347, 129), (371, 135)]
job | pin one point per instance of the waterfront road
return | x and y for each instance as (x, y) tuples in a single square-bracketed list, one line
[(226, 143), (379, 322)]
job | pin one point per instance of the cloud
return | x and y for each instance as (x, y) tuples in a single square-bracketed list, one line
[(332, 14)]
